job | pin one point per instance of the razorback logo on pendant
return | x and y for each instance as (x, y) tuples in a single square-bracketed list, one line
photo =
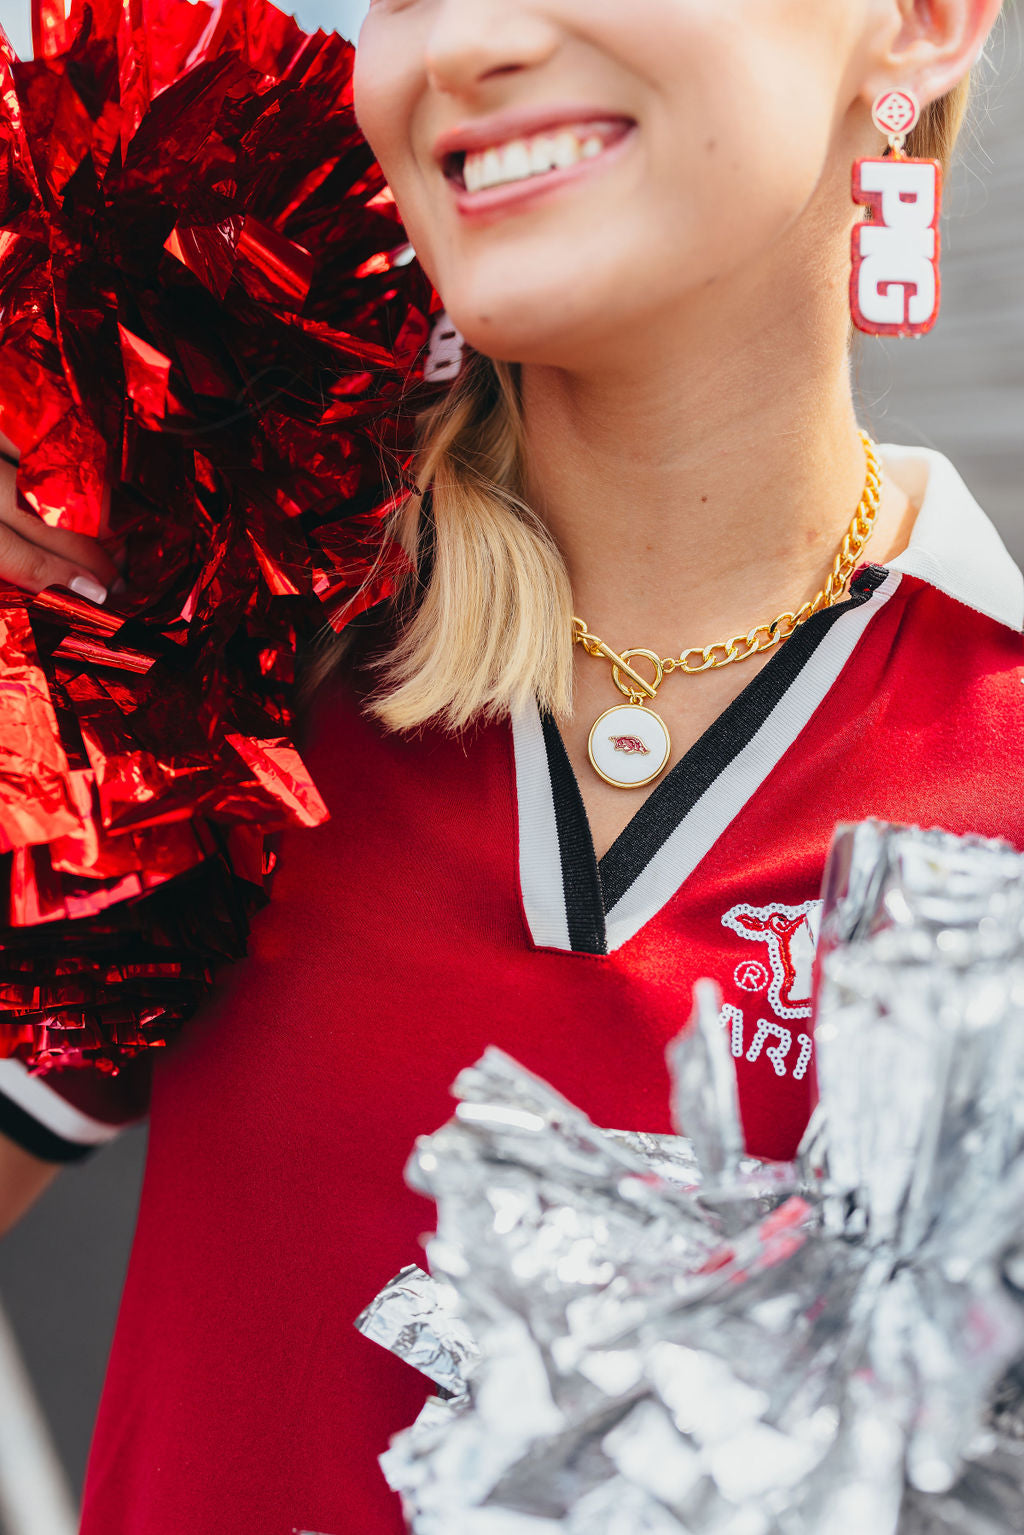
[(895, 289), (631, 745)]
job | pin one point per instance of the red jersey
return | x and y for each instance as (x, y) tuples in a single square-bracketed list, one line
[(453, 901)]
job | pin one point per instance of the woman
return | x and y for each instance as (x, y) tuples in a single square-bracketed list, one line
[(654, 434)]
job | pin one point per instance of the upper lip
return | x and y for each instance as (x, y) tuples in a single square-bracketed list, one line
[(521, 123)]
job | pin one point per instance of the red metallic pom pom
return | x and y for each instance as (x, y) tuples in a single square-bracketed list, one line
[(208, 317)]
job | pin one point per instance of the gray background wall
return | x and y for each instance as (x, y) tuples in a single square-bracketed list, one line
[(960, 389)]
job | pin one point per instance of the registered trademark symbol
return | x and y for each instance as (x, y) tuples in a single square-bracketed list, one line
[(751, 976)]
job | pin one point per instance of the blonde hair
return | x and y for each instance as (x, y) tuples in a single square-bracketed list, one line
[(936, 134), (482, 621)]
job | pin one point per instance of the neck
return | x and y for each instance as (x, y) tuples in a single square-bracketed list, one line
[(706, 486)]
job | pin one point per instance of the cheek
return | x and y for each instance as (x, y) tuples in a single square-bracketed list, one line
[(384, 96), (738, 141), (737, 192), (387, 96)]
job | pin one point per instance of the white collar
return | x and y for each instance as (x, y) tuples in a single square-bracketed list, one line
[(954, 546)]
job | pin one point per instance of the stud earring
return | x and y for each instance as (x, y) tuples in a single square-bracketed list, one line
[(895, 286)]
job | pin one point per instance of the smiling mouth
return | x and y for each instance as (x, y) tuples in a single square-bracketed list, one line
[(531, 157)]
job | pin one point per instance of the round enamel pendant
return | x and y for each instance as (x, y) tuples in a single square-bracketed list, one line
[(629, 746)]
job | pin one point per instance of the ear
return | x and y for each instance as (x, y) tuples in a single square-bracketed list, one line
[(933, 45)]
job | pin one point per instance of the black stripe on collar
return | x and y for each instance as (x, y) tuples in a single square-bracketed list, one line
[(30, 1135), (581, 881)]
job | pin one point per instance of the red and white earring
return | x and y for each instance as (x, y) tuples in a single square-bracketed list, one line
[(895, 287)]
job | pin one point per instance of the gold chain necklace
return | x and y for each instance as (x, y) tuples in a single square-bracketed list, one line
[(627, 741)]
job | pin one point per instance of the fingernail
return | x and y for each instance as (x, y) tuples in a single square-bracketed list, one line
[(85, 586), (118, 586)]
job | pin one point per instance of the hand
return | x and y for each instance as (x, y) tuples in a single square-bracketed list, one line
[(33, 555)]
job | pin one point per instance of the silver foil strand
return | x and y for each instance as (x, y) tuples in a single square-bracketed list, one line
[(659, 1334)]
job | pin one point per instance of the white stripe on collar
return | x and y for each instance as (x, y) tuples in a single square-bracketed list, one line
[(954, 546), (31, 1092), (540, 859)]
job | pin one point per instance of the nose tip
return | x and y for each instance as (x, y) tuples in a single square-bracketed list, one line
[(462, 71), (474, 42), (467, 76)]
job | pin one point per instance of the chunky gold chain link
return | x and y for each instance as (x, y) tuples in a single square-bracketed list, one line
[(763, 636)]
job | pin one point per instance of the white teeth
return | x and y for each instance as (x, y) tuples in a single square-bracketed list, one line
[(522, 158), (516, 159), (541, 159), (567, 150)]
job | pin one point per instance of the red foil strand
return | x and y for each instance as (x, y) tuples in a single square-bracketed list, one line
[(208, 322)]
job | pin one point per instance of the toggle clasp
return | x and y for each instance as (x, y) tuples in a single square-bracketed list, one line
[(641, 689)]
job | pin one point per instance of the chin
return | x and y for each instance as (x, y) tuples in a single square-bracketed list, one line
[(513, 345), (495, 333), (526, 327)]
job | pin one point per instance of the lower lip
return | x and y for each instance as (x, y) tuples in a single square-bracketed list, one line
[(516, 194)]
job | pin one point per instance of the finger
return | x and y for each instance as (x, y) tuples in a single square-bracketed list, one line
[(32, 568), (8, 449), (73, 549)]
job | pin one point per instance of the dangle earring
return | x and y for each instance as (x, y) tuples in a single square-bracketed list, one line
[(895, 286)]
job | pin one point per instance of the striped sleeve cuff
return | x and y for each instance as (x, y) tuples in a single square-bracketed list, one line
[(36, 1117)]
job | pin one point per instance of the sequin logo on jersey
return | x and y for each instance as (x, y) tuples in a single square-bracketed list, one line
[(789, 934), (788, 937)]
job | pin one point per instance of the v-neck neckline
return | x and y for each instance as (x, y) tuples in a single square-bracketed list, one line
[(586, 905)]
